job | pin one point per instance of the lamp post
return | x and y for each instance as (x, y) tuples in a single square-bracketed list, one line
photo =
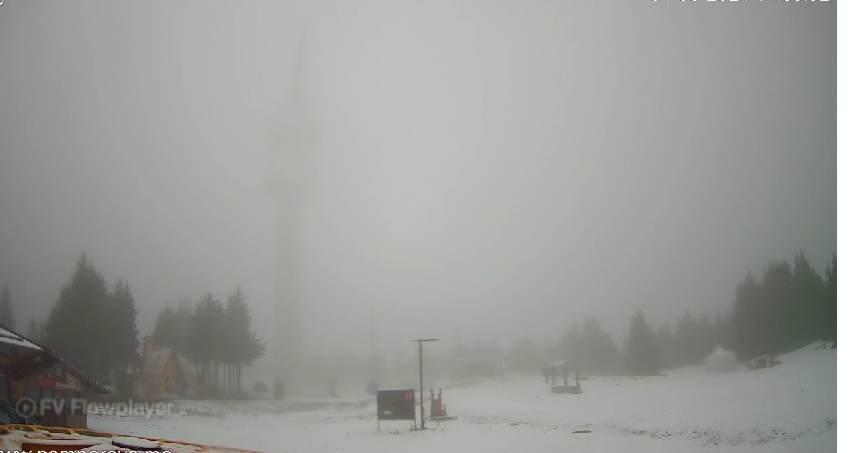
[(421, 401)]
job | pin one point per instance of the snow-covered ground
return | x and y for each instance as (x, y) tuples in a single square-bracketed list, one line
[(787, 408)]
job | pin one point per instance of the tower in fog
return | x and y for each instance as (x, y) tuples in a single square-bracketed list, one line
[(292, 180)]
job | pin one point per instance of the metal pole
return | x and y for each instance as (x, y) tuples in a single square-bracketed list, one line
[(421, 400)]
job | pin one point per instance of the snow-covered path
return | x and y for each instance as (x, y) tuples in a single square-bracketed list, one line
[(788, 408)]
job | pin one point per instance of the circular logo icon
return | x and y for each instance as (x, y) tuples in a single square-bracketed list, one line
[(26, 407)]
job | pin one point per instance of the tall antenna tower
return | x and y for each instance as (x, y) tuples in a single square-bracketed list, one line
[(292, 180)]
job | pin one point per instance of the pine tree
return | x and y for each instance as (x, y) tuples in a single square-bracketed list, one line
[(600, 355), (243, 346), (208, 341), (76, 327), (183, 322), (667, 344), (166, 333), (791, 306), (163, 331), (805, 308), (777, 294), (641, 351), (124, 337), (172, 327), (749, 320), (7, 314)]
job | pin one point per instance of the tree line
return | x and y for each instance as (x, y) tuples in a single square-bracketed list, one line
[(217, 338), (93, 327), (790, 306)]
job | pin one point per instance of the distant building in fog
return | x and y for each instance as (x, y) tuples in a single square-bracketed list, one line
[(165, 374)]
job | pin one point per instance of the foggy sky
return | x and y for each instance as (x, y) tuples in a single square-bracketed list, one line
[(491, 168)]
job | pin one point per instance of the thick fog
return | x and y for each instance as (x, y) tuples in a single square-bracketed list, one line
[(483, 168)]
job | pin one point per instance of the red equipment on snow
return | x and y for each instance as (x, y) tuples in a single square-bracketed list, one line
[(438, 409)]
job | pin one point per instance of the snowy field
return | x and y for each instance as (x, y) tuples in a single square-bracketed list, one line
[(787, 408)]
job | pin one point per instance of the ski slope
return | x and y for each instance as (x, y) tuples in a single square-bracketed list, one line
[(787, 408)]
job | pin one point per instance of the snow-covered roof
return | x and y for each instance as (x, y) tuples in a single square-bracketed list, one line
[(14, 339), (720, 351), (159, 359), (162, 355), (9, 337)]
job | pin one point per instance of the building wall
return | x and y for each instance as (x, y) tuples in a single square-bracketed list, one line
[(56, 384), (149, 386)]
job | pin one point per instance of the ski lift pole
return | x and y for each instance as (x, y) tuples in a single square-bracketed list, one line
[(421, 400)]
